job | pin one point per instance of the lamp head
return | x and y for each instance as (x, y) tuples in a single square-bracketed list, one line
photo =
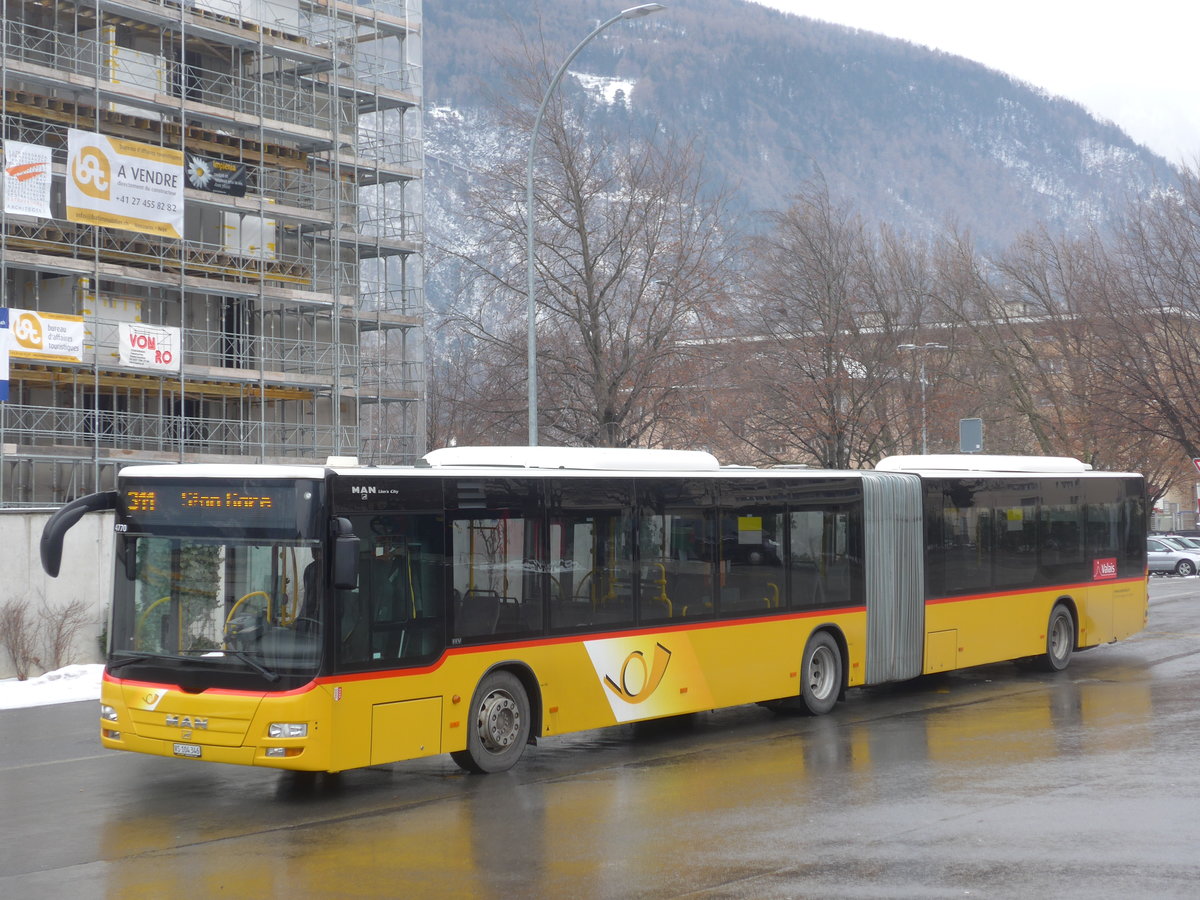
[(636, 12)]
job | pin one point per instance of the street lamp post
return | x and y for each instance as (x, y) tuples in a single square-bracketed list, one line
[(923, 347), (632, 12)]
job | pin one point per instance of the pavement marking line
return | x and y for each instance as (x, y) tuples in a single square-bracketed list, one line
[(55, 762)]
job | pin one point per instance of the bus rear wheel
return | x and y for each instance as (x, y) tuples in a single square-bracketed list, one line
[(820, 674), (498, 727), (1060, 639)]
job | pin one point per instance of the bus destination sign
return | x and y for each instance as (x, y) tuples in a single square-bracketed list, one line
[(147, 501), (192, 506)]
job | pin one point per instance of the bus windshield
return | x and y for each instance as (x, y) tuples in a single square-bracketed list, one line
[(218, 582), (238, 604)]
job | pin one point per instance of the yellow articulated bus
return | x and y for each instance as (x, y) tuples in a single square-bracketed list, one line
[(323, 618)]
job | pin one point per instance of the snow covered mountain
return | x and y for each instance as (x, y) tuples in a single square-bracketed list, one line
[(912, 137)]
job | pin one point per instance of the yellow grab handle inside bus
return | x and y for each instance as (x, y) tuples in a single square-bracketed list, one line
[(772, 601), (243, 599)]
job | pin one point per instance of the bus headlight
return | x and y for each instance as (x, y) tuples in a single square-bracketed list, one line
[(107, 713), (287, 730)]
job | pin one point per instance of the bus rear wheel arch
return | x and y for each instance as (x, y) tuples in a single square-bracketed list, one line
[(499, 723)]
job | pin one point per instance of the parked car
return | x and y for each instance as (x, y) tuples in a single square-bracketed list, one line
[(1182, 541), (1168, 559)]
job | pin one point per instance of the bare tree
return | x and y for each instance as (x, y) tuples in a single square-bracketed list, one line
[(1035, 361), (1020, 315), (18, 635), (60, 626), (1147, 305), (833, 306), (475, 398), (633, 261), (1053, 342)]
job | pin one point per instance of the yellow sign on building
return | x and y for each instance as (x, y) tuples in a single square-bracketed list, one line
[(45, 336), (124, 184)]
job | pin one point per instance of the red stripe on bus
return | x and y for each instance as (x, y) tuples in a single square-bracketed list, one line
[(556, 640), (228, 692), (1033, 590), (580, 638)]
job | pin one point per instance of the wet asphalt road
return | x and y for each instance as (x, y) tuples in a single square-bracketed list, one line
[(996, 782)]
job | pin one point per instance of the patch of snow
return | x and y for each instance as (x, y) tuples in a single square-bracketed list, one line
[(65, 685), (606, 88), (446, 113), (1098, 156)]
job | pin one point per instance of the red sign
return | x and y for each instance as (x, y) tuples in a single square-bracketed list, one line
[(1104, 568)]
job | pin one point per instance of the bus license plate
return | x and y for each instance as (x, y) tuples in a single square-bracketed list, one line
[(192, 750)]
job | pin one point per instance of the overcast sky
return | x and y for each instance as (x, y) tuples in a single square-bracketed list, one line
[(1135, 63)]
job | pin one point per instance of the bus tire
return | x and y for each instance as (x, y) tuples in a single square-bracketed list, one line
[(498, 728), (1060, 639), (820, 674)]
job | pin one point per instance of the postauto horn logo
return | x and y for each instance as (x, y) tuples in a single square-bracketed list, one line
[(92, 173), (27, 331), (639, 679)]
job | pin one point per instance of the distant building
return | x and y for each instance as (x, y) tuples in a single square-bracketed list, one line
[(210, 237)]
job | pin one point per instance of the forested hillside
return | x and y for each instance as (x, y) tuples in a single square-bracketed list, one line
[(911, 137)]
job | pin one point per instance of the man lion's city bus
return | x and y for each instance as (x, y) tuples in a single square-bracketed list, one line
[(322, 618)]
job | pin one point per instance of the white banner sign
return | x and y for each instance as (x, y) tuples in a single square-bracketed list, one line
[(150, 346), (124, 184), (27, 173), (38, 335)]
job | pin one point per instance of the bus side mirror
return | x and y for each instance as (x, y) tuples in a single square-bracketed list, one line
[(345, 555), (60, 523)]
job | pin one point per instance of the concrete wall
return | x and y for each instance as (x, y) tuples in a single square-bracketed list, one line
[(86, 574)]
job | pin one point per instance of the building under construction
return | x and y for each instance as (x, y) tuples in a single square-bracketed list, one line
[(211, 236)]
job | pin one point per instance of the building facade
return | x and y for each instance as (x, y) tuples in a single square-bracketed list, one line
[(211, 236)]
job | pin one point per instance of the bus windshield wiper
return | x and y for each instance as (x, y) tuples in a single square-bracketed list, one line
[(137, 657), (253, 663), (243, 656), (239, 654)]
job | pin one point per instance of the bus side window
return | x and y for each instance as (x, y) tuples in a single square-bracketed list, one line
[(1061, 531), (591, 569), (396, 617), (752, 572), (679, 551), (824, 559), (590, 561), (1116, 522), (498, 578), (966, 547)]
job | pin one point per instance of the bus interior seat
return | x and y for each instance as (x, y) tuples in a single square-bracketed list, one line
[(480, 613)]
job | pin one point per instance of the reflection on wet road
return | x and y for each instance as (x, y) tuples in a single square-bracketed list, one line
[(993, 782)]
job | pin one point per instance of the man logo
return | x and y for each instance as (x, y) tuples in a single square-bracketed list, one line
[(27, 331), (634, 688), (91, 173)]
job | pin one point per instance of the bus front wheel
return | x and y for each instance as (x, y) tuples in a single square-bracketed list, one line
[(1060, 639), (498, 725), (820, 674)]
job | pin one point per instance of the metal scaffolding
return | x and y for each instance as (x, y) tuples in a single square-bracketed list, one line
[(296, 296)]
